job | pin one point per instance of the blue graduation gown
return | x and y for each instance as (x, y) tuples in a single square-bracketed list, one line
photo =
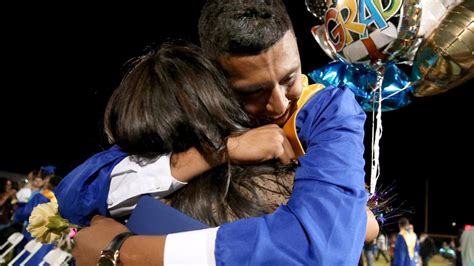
[(406, 250), (22, 214), (83, 192), (324, 221)]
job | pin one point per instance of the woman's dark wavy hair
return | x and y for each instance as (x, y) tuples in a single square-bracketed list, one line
[(177, 98), (225, 194), (242, 27)]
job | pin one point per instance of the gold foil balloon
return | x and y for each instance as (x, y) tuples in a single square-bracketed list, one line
[(433, 12), (445, 59)]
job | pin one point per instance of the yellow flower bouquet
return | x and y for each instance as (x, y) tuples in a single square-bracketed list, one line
[(47, 226)]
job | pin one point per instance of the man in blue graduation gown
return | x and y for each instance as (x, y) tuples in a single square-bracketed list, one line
[(324, 221), (406, 246)]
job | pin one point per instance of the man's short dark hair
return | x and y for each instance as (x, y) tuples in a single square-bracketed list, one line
[(242, 27)]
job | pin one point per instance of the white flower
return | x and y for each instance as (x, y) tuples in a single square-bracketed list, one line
[(40, 223)]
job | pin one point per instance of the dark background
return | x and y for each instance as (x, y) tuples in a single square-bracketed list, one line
[(60, 65)]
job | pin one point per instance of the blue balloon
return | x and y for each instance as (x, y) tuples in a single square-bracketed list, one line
[(359, 77)]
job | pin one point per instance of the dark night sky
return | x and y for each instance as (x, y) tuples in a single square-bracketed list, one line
[(60, 67)]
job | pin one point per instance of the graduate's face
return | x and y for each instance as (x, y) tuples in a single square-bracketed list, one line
[(8, 185), (269, 83), (37, 182)]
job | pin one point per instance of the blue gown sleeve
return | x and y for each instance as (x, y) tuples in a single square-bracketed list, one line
[(83, 192), (152, 217), (324, 221)]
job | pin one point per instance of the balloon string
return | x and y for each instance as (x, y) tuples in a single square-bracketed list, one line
[(409, 84), (376, 129)]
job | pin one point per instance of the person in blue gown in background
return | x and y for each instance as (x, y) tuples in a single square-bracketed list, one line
[(23, 213)]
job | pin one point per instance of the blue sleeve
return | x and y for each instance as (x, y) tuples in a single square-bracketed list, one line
[(83, 192), (22, 213), (153, 217), (325, 216)]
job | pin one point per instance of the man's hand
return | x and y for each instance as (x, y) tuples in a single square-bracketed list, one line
[(260, 144), (90, 241)]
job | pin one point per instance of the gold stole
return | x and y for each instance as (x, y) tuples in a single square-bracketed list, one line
[(290, 125), (410, 240), (49, 194)]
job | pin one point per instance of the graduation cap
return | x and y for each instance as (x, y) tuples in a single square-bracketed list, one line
[(48, 169)]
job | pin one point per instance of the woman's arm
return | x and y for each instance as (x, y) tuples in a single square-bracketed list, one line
[(256, 145), (130, 179)]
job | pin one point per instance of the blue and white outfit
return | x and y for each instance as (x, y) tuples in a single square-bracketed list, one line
[(110, 183)]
